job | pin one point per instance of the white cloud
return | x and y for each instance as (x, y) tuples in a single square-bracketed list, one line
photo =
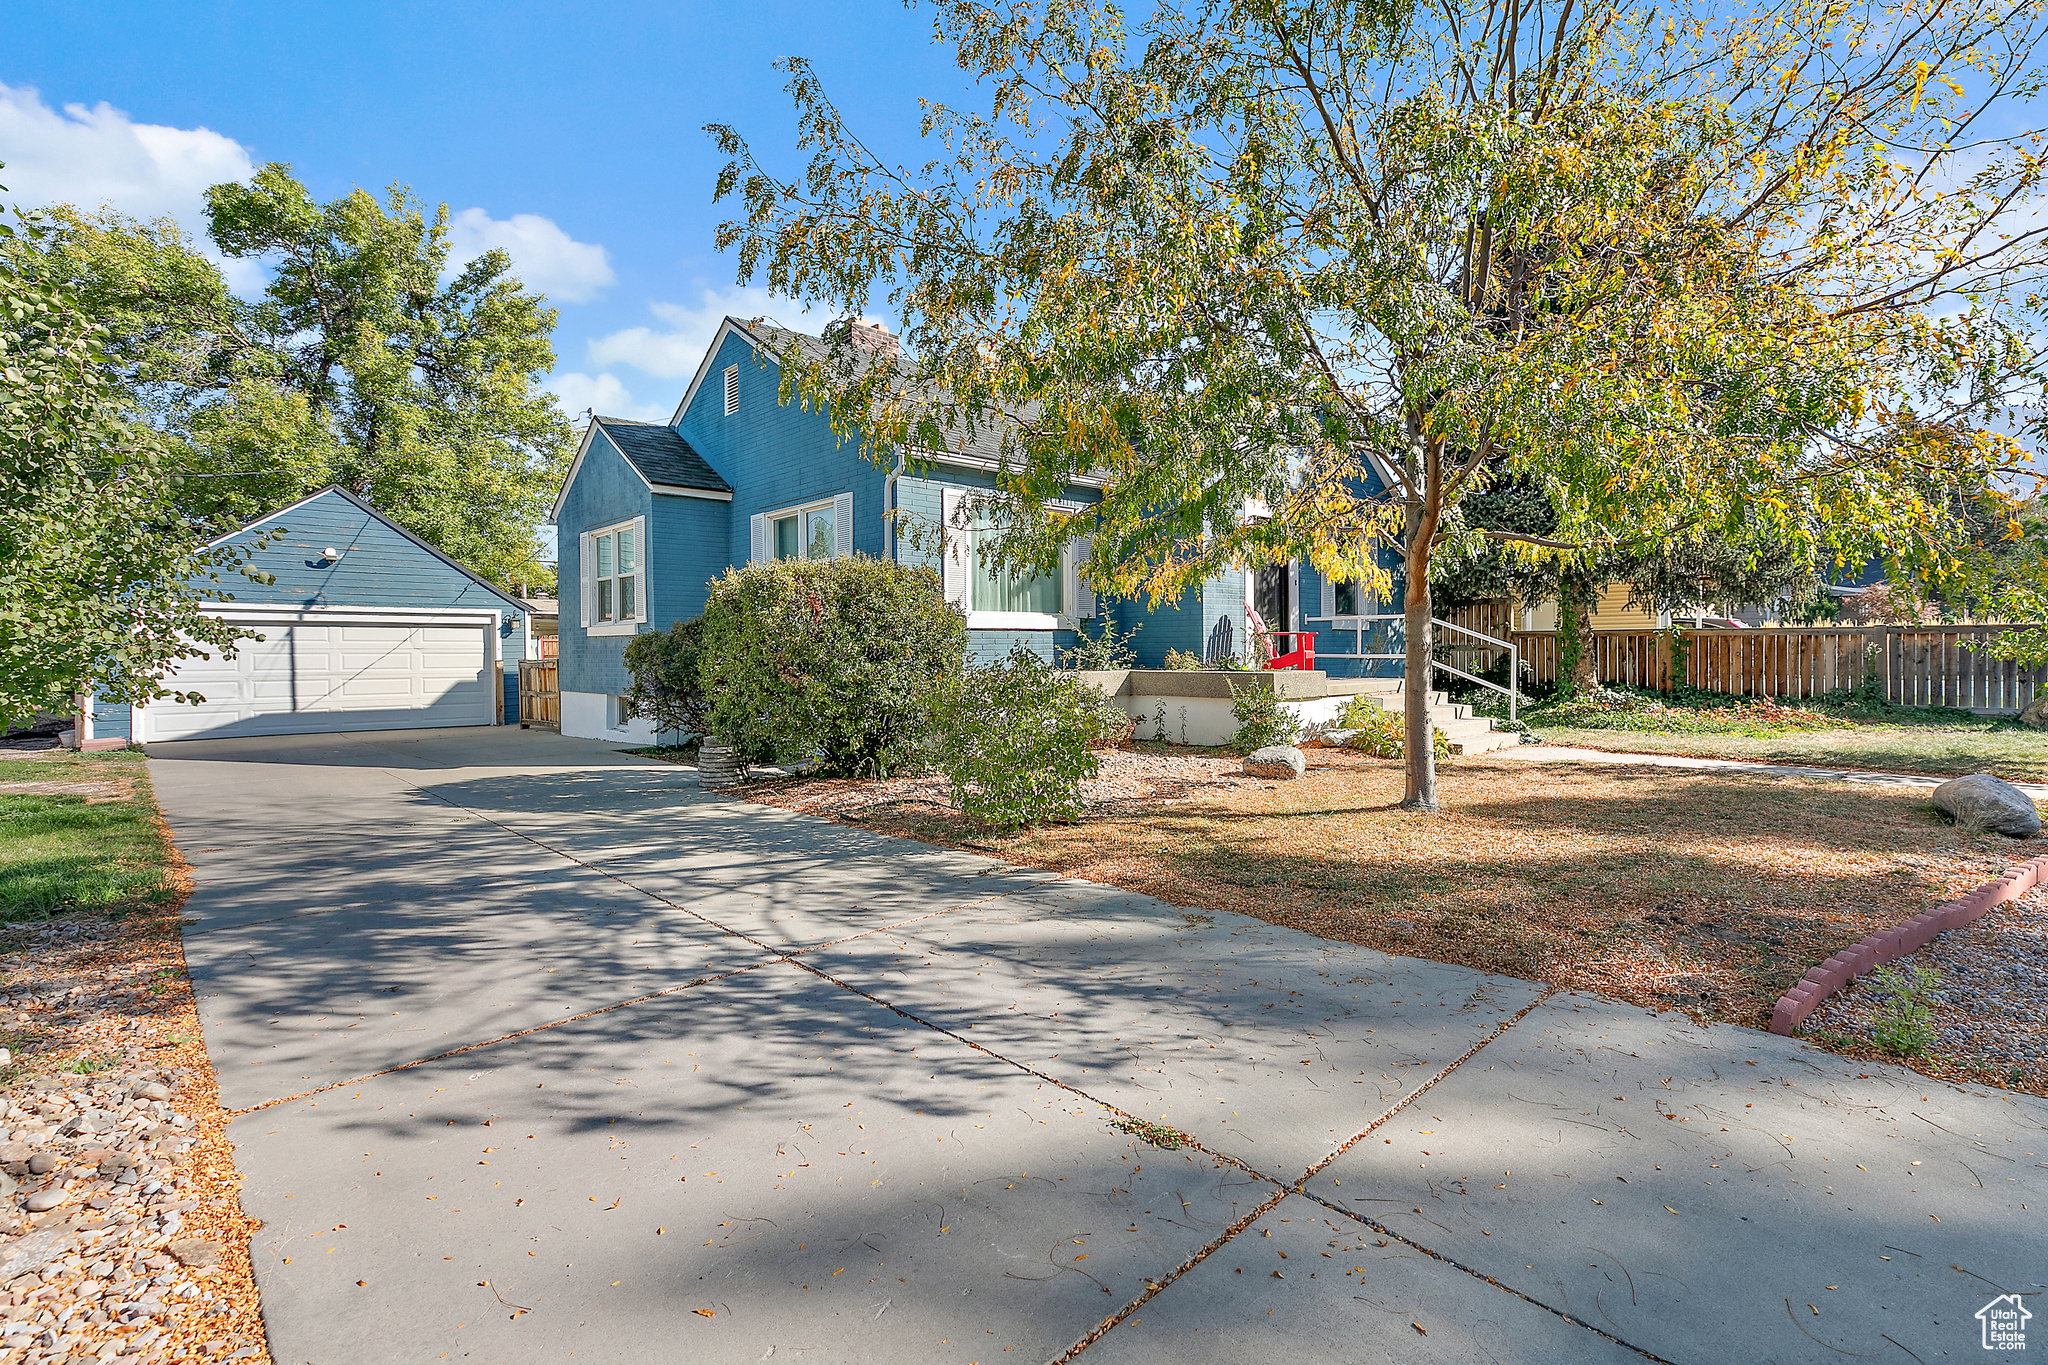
[(676, 351), (545, 258), (90, 157), (605, 395)]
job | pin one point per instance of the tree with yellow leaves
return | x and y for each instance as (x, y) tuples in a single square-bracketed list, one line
[(1293, 277)]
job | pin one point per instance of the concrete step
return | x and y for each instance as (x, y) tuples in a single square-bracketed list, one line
[(1467, 733), (1484, 743)]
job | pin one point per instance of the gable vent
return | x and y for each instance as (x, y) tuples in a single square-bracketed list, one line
[(732, 389)]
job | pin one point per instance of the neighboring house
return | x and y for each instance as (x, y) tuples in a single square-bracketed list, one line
[(651, 513), (365, 627), (543, 622)]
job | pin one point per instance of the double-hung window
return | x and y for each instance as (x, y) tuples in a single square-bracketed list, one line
[(806, 533), (615, 577)]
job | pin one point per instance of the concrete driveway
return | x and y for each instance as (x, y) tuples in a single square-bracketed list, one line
[(539, 1053)]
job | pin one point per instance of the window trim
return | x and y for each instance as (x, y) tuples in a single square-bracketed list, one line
[(958, 567), (587, 571), (829, 502), (1015, 620)]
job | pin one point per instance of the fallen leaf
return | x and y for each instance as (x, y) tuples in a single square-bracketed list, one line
[(1420, 1328), (704, 1312)]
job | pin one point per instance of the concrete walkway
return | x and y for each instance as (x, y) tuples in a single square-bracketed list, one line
[(541, 1054), (1565, 753)]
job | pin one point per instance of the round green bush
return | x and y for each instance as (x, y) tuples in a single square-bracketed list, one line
[(837, 660)]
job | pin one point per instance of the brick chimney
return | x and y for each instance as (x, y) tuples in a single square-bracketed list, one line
[(880, 340)]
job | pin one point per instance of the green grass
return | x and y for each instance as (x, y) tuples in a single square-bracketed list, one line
[(1938, 741), (59, 852)]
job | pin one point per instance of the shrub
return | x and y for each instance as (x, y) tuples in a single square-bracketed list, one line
[(667, 686), (1103, 650), (1904, 1026), (837, 659), (1013, 741), (1181, 661), (1110, 724), (1261, 719), (1382, 734)]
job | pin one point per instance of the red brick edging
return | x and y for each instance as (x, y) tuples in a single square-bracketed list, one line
[(1890, 944)]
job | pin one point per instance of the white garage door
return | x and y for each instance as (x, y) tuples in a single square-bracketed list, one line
[(310, 679)]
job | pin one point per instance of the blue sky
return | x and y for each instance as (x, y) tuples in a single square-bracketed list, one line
[(570, 135)]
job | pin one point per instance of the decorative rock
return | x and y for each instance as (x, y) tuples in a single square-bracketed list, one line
[(1330, 739), (44, 1085), (153, 1090), (42, 1201), (8, 1184), (14, 1153), (2035, 713), (1282, 761), (1991, 803), (195, 1251), (42, 1163)]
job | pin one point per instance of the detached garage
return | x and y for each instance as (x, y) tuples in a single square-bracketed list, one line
[(365, 627)]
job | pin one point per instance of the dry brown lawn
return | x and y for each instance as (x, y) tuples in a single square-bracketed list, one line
[(1709, 893)]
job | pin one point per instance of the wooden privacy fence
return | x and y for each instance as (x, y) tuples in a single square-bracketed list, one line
[(1917, 665), (540, 695)]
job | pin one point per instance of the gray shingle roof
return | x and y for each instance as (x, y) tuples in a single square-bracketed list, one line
[(983, 442), (662, 455)]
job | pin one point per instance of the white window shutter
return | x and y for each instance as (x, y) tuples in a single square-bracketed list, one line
[(583, 559), (1329, 607), (1084, 596), (953, 562), (842, 524), (640, 612), (758, 525)]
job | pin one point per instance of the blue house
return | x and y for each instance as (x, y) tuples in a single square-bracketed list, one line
[(650, 513), (365, 627)]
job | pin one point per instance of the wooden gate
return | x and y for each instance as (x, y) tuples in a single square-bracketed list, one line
[(540, 696)]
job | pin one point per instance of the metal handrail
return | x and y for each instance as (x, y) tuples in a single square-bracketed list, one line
[(1511, 691)]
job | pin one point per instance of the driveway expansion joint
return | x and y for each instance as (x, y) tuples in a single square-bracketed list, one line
[(1498, 1029)]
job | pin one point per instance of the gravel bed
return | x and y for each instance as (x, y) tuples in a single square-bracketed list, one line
[(1126, 781), (1990, 1009), (121, 1234)]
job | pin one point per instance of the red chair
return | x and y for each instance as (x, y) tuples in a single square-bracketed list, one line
[(1301, 656)]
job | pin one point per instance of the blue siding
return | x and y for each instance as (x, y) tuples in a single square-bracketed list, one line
[(1185, 624), (110, 720), (776, 456), (687, 538), (606, 489), (379, 567)]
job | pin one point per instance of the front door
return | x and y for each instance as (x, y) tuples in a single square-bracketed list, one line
[(1271, 599)]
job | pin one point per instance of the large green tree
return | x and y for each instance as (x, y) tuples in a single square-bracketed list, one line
[(1296, 276), (366, 362), (102, 578)]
